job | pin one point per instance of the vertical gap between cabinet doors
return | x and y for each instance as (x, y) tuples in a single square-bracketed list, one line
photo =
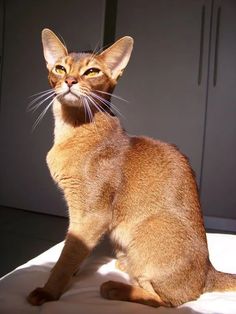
[(206, 97), (109, 30)]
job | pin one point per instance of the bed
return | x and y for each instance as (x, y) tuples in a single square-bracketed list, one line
[(83, 296)]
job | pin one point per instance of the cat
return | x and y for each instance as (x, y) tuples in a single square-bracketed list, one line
[(140, 191)]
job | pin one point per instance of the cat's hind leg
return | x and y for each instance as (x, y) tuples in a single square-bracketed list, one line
[(114, 290)]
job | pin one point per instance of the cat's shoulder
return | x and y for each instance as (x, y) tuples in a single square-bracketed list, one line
[(151, 143), (153, 148)]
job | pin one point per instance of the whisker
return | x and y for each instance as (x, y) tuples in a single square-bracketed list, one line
[(42, 114), (113, 95), (102, 48), (103, 101), (85, 109), (107, 103), (89, 110), (95, 51), (44, 93), (99, 108), (90, 114), (96, 105), (37, 105), (47, 90)]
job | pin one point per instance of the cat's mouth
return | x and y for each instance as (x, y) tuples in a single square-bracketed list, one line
[(70, 98), (71, 95)]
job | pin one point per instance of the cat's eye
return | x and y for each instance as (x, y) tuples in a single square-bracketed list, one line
[(60, 69), (92, 72)]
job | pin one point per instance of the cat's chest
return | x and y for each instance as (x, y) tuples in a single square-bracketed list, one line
[(66, 163)]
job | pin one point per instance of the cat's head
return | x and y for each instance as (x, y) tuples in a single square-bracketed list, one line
[(80, 78)]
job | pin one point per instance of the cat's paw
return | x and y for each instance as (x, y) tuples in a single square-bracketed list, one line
[(40, 296), (114, 290)]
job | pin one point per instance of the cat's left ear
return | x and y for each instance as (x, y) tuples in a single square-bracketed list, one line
[(117, 56), (53, 48)]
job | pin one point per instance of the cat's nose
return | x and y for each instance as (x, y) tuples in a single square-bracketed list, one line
[(71, 81)]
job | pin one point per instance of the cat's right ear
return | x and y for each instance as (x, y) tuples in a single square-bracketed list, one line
[(53, 48), (117, 56)]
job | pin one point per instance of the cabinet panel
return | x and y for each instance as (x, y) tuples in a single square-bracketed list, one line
[(24, 178), (166, 79), (219, 167)]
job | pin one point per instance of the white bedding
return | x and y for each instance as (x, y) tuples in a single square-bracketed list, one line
[(83, 296)]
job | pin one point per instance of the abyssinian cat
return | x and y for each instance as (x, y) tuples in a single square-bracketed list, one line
[(140, 191)]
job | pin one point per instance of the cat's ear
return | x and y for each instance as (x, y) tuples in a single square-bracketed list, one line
[(117, 56), (53, 48)]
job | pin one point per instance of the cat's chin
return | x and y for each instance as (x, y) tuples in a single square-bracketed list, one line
[(70, 97), (70, 100)]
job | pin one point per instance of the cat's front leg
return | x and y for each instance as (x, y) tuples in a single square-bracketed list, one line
[(73, 253), (81, 239)]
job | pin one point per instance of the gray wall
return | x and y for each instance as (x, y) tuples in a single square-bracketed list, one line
[(24, 178)]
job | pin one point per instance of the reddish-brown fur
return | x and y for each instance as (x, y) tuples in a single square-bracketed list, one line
[(139, 190)]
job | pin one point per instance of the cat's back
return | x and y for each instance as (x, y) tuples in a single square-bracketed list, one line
[(156, 172), (156, 157), (157, 182)]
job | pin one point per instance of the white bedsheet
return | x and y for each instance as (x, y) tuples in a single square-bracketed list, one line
[(83, 296)]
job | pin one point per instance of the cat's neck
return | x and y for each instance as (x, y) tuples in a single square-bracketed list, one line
[(70, 121)]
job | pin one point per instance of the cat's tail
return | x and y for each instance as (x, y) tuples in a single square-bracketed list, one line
[(218, 281)]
